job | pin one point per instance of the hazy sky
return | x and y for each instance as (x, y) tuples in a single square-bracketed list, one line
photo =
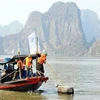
[(11, 10)]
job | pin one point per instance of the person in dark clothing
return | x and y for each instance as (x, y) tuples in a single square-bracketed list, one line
[(39, 66)]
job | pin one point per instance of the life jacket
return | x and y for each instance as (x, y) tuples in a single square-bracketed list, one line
[(28, 61), (20, 64), (41, 59)]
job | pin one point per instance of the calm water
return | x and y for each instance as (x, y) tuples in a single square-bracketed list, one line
[(81, 73)]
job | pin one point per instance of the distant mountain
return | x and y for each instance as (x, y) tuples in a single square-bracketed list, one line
[(59, 30), (12, 28), (91, 25)]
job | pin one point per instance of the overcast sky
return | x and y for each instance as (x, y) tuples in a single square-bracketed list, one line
[(11, 10)]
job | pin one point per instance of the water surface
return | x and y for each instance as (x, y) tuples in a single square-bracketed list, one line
[(81, 73)]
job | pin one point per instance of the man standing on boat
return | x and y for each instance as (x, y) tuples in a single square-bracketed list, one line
[(39, 66), (28, 64)]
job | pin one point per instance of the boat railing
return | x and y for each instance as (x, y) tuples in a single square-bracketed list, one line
[(3, 77)]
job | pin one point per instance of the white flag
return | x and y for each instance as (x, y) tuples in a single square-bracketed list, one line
[(32, 43)]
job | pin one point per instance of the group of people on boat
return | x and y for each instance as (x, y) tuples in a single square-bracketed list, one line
[(25, 68)]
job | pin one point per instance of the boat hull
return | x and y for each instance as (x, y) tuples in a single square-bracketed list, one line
[(27, 84)]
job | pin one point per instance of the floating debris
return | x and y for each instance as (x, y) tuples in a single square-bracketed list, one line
[(65, 89)]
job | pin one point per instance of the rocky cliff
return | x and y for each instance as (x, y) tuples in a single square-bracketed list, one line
[(59, 30), (94, 49)]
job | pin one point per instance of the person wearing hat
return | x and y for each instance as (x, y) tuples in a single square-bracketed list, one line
[(39, 66)]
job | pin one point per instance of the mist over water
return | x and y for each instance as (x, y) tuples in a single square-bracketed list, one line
[(81, 73)]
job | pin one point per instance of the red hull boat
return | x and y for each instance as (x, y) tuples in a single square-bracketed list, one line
[(24, 84), (27, 84)]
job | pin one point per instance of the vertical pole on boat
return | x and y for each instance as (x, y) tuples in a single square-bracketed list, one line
[(37, 48), (18, 52), (18, 48), (37, 44)]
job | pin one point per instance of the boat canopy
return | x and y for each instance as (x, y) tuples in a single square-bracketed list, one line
[(7, 59)]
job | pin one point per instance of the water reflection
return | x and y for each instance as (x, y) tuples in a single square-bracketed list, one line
[(38, 95), (9, 95), (65, 97)]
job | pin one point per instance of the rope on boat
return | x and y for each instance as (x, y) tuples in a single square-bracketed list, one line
[(55, 73)]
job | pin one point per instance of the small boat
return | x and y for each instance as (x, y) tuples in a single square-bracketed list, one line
[(24, 84)]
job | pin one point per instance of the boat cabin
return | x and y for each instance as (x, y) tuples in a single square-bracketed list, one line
[(8, 67)]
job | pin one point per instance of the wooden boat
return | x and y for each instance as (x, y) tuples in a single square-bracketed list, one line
[(24, 84)]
